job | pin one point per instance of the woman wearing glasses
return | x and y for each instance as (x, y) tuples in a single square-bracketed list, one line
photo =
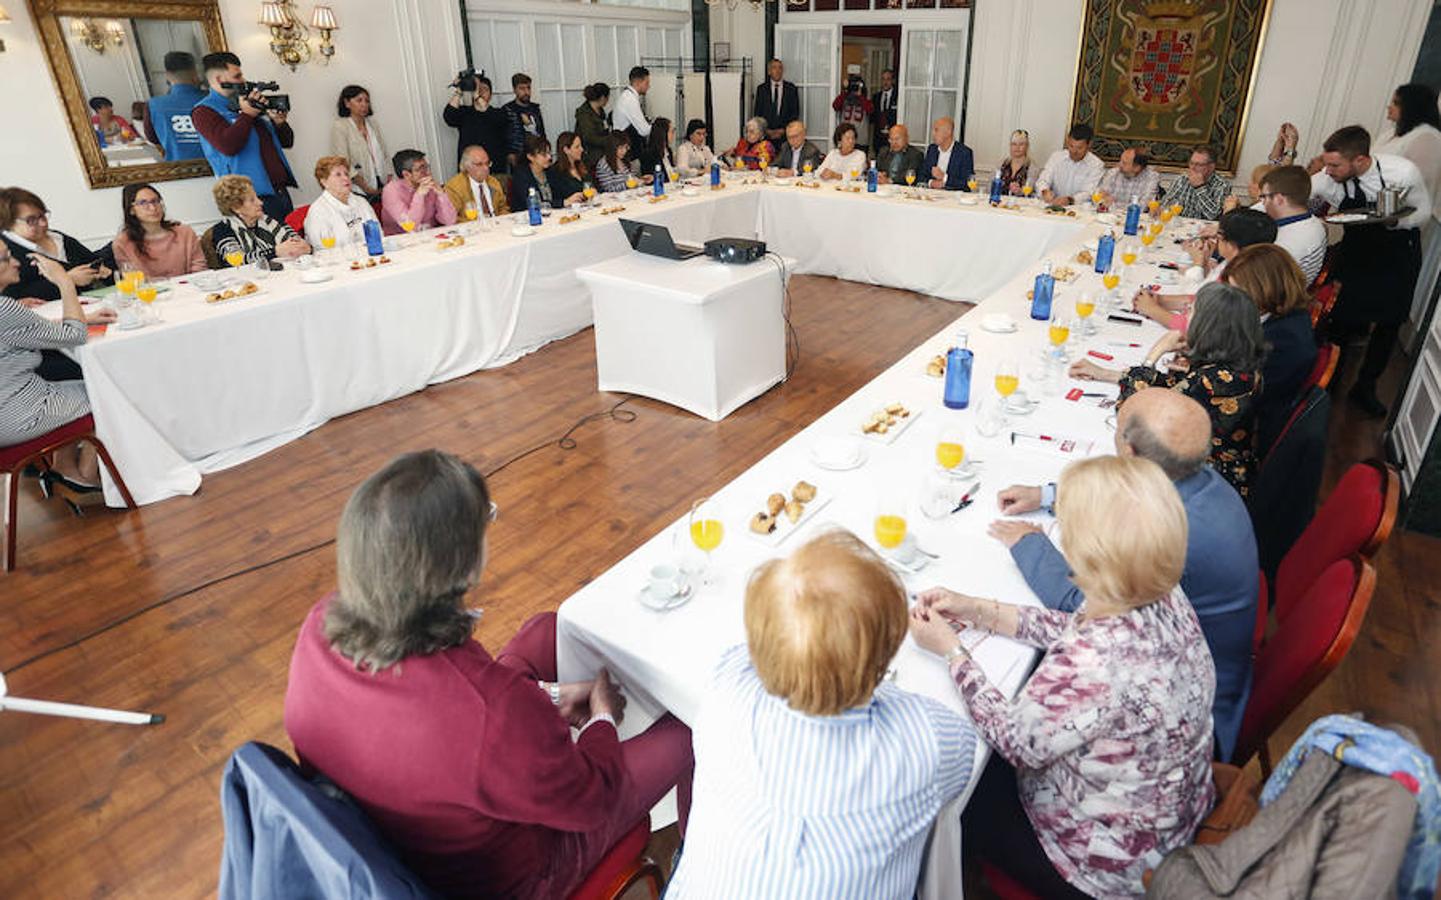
[(152, 243), (25, 228)]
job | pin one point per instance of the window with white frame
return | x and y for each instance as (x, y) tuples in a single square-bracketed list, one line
[(933, 77), (563, 56)]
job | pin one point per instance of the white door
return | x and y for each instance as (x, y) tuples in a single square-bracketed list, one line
[(933, 73), (812, 55)]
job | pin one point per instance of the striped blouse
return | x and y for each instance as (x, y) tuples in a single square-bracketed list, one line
[(29, 405), (257, 242), (793, 806)]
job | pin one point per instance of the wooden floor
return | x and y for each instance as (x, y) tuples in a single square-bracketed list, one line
[(190, 607)]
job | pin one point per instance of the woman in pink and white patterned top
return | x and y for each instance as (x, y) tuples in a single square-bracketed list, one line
[(1110, 739)]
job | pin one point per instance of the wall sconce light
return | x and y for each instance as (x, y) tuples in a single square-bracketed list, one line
[(91, 34), (4, 20), (290, 38)]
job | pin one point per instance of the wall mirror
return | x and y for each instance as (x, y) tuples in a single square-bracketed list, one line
[(128, 113)]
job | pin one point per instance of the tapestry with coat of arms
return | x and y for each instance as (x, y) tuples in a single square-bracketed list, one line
[(1168, 74)]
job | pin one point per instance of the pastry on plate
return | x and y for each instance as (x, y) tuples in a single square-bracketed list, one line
[(803, 492), (794, 510), (775, 503), (763, 524)]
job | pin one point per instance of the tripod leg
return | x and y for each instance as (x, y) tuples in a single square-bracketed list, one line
[(48, 708)]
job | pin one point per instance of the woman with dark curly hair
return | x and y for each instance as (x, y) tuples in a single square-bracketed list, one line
[(1218, 364), (152, 243)]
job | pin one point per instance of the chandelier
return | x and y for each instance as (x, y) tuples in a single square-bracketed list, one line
[(95, 36), (289, 36)]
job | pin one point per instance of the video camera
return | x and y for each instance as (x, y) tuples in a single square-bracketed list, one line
[(465, 80), (276, 102), (856, 85)]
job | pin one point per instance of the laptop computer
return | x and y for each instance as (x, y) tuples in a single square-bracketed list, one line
[(656, 240)]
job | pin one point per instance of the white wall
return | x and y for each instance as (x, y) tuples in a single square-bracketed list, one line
[(1324, 64), (369, 52), (745, 29)]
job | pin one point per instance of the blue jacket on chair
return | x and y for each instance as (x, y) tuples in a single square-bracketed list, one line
[(962, 165), (286, 836)]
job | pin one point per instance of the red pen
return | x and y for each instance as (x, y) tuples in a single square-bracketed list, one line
[(1121, 344), (1099, 355)]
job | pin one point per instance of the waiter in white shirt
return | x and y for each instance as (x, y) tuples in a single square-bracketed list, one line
[(1376, 264), (1073, 173), (627, 114)]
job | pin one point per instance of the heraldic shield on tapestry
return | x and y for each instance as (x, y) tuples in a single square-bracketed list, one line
[(1169, 74)]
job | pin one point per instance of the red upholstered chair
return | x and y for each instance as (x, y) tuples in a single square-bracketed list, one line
[(624, 866), (15, 458), (1355, 520), (1003, 885), (296, 219), (1323, 300), (1314, 630), (1324, 369)]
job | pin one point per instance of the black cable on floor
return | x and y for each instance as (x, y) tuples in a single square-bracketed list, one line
[(793, 340), (565, 442)]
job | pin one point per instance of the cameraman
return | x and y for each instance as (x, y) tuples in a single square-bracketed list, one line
[(854, 107), (479, 123), (239, 136)]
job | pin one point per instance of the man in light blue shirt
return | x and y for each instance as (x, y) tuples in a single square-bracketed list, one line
[(815, 778), (1221, 576)]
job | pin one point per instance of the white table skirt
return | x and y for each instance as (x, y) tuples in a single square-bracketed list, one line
[(665, 660), (705, 336)]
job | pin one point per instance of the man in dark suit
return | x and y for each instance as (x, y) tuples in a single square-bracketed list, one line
[(796, 152), (898, 157), (883, 108), (778, 102), (949, 163)]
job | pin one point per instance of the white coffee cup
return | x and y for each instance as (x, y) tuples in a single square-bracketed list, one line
[(665, 581), (906, 551)]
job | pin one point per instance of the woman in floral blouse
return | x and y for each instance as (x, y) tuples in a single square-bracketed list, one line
[(1107, 749), (1221, 369)]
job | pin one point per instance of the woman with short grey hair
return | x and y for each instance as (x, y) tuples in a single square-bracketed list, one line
[(752, 151), (1217, 364), (463, 760)]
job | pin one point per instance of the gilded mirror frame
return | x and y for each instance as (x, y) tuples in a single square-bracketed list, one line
[(46, 15)]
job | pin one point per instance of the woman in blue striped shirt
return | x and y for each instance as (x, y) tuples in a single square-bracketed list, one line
[(815, 777)]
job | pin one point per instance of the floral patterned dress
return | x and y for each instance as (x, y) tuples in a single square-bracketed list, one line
[(1110, 738), (1229, 397)]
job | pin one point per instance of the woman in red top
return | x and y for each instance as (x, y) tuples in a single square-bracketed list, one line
[(463, 760)]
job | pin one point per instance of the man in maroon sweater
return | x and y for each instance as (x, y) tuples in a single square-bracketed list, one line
[(463, 760)]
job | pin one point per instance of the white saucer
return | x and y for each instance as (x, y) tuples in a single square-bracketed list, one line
[(831, 454), (998, 323), (1018, 404), (884, 192), (315, 276), (649, 599), (968, 200), (521, 231), (1107, 218), (689, 192)]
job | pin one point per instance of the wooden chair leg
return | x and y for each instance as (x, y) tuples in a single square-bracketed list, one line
[(109, 464), (12, 506)]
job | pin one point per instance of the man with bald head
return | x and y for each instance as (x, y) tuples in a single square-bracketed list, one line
[(474, 184), (949, 164), (1132, 177), (1220, 575), (898, 157)]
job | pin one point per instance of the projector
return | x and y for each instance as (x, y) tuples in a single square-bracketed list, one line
[(735, 250)]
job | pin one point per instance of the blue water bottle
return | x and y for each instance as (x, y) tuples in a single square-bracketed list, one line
[(374, 241), (533, 204), (1105, 250), (715, 174), (1133, 217), (100, 136), (996, 185), (1041, 294), (658, 181), (958, 374), (872, 178)]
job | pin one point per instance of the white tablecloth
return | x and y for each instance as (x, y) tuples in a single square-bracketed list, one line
[(217, 385), (705, 336), (665, 659)]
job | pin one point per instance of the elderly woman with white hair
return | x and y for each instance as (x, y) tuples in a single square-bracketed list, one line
[(1017, 173), (752, 151), (1103, 761)]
